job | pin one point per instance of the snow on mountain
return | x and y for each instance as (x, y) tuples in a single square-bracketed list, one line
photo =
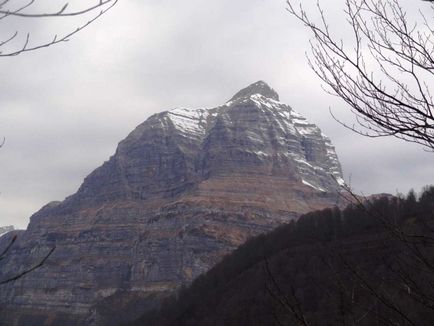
[(291, 127), (184, 188), (6, 229)]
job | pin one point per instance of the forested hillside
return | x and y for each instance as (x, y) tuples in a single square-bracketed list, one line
[(369, 264)]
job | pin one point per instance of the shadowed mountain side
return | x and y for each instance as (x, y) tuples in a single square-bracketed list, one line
[(364, 265)]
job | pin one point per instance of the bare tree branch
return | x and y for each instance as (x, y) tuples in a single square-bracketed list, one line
[(5, 251), (391, 95), (21, 274), (60, 13), (23, 12)]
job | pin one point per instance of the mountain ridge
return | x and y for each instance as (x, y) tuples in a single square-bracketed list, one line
[(183, 189), (6, 229)]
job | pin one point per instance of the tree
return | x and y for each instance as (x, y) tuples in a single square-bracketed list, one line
[(321, 270), (8, 11), (385, 76)]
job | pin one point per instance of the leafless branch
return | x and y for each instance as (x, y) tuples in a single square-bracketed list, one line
[(293, 307), (5, 251), (391, 95), (27, 271), (59, 13), (99, 9)]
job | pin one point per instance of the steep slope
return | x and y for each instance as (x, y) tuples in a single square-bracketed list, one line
[(6, 229), (331, 267), (182, 190)]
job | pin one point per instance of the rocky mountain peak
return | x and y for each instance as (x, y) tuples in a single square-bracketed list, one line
[(260, 87), (183, 189)]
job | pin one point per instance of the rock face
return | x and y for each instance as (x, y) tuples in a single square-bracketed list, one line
[(6, 229), (183, 189)]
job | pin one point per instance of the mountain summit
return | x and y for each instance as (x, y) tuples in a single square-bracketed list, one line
[(260, 88), (183, 189)]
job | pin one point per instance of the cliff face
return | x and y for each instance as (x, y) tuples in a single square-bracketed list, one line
[(6, 229), (183, 189)]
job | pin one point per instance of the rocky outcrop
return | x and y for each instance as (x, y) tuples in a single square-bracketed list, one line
[(6, 229), (182, 190)]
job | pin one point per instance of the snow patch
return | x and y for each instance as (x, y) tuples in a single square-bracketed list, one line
[(311, 185), (306, 129), (261, 153), (303, 162), (340, 181), (6, 229), (189, 121)]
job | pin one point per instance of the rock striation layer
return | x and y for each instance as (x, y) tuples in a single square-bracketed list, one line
[(182, 190)]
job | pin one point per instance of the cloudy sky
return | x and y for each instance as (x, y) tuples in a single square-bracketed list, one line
[(64, 109)]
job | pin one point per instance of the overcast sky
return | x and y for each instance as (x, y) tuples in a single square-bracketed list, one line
[(64, 109)]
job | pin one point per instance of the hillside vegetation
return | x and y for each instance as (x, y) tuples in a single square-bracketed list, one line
[(369, 264)]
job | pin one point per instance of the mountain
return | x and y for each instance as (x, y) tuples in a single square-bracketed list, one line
[(183, 189), (6, 229)]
